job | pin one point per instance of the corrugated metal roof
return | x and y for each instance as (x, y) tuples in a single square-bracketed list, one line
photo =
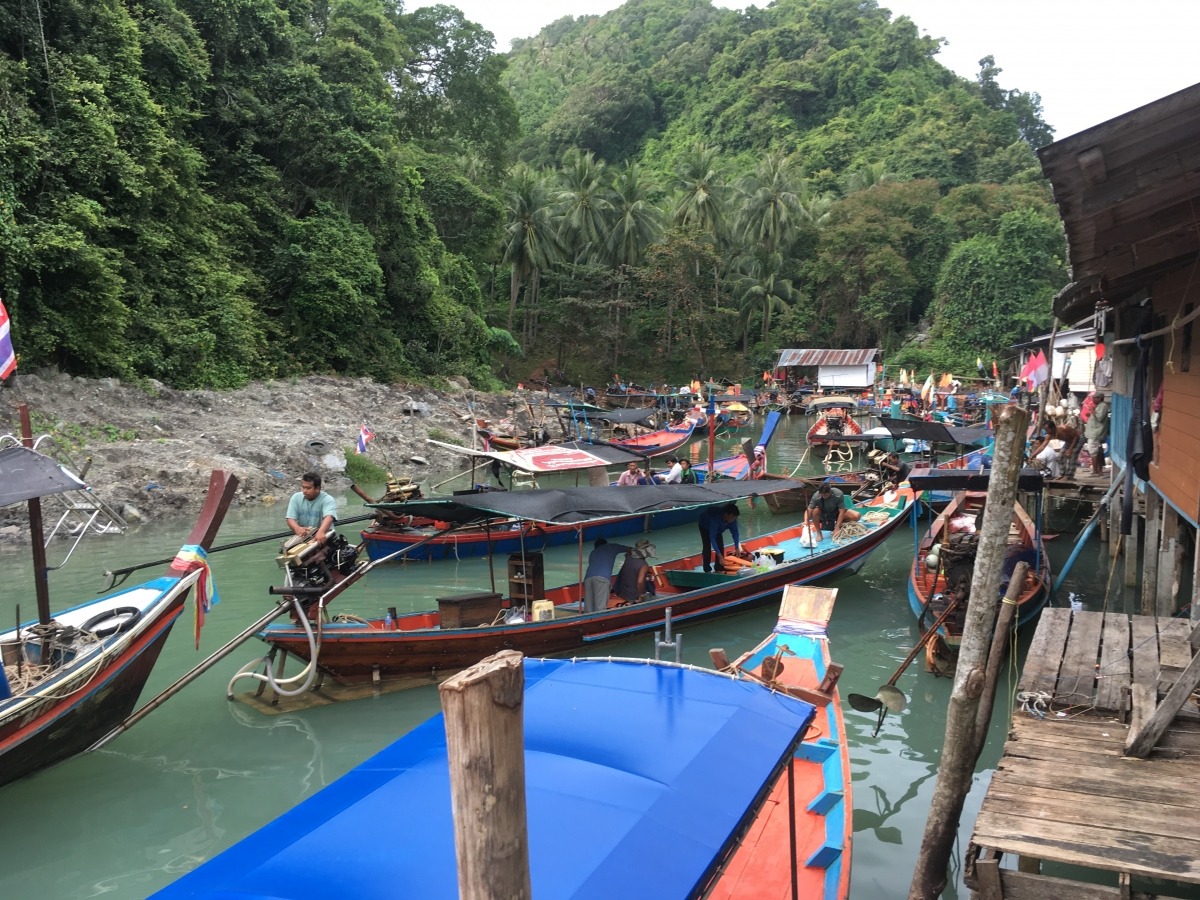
[(826, 357)]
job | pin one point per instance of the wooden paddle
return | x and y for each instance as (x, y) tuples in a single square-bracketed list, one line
[(889, 698)]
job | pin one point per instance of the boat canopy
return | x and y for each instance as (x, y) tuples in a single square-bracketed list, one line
[(639, 776), (553, 457), (839, 401), (26, 474), (968, 479), (636, 416), (936, 432), (585, 504)]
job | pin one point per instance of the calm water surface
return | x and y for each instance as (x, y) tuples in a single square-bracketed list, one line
[(201, 772)]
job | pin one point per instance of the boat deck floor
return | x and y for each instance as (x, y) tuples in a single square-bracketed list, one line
[(1065, 795)]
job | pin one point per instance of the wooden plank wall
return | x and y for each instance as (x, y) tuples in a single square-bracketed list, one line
[(1177, 468)]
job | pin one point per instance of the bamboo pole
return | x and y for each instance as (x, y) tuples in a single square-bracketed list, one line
[(960, 749), (485, 738)]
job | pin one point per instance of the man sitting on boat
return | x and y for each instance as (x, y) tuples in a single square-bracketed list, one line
[(687, 476), (635, 580), (674, 475), (597, 581), (894, 468), (309, 508), (713, 522), (631, 476), (828, 510)]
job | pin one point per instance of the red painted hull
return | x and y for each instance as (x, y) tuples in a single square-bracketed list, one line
[(355, 653)]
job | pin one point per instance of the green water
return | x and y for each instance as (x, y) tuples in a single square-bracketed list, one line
[(201, 772)]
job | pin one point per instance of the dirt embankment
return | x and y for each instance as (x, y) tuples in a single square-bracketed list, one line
[(152, 449)]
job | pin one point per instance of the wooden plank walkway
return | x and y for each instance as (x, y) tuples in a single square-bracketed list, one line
[(1064, 793)]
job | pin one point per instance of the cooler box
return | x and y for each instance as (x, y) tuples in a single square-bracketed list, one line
[(542, 611)]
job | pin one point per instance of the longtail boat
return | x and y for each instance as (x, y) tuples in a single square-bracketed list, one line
[(832, 426), (444, 640), (70, 676), (940, 577), (657, 443), (799, 843), (400, 527), (641, 779), (738, 466)]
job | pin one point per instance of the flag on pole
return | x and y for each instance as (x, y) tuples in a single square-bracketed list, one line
[(365, 436), (8, 358), (927, 387), (995, 370), (1041, 369)]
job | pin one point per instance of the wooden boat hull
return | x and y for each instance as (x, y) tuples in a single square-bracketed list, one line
[(91, 686), (53, 730), (927, 589), (821, 805), (356, 653), (830, 427), (657, 443), (516, 537), (795, 502)]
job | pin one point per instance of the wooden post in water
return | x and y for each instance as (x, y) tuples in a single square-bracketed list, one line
[(960, 750), (485, 737)]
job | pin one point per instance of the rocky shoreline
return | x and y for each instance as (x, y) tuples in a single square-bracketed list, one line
[(149, 450)]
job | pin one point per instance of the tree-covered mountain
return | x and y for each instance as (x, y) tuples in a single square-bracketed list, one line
[(206, 191)]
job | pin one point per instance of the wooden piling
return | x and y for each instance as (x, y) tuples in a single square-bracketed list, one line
[(485, 737), (1131, 543), (1153, 507), (1170, 563), (960, 749)]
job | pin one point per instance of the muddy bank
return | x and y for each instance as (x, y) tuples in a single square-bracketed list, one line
[(149, 450)]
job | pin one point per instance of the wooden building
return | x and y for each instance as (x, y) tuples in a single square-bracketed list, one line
[(1128, 191), (836, 369)]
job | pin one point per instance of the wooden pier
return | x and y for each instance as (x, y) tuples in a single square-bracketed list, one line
[(1065, 793)]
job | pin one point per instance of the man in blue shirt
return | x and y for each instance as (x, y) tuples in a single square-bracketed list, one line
[(713, 522), (311, 508), (597, 580)]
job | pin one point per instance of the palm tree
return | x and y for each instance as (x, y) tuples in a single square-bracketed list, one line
[(702, 191), (583, 205), (868, 176), (759, 285), (637, 223), (531, 241), (772, 205)]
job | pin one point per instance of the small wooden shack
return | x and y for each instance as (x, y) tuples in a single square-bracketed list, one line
[(840, 369)]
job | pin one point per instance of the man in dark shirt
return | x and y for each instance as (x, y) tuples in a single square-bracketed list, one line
[(895, 469), (828, 510), (713, 522)]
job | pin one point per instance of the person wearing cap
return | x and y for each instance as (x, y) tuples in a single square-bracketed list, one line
[(635, 579), (828, 510), (1096, 431), (597, 580), (687, 476), (674, 475), (713, 522)]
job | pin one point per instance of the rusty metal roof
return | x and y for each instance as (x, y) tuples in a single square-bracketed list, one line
[(826, 357), (1128, 192)]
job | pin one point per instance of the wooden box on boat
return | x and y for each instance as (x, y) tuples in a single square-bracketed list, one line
[(469, 610)]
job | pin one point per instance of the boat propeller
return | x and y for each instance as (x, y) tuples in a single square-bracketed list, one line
[(890, 698)]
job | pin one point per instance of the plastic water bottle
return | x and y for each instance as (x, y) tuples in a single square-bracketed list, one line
[(388, 621)]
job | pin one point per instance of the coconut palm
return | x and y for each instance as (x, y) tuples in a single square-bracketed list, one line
[(636, 224), (702, 190), (772, 203), (583, 203), (759, 285), (531, 240)]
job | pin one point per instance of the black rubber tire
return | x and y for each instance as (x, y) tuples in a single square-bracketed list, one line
[(128, 616)]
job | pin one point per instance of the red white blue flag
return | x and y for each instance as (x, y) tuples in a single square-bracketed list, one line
[(8, 359), (365, 436)]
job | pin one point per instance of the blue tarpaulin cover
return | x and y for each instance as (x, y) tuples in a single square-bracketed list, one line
[(639, 780)]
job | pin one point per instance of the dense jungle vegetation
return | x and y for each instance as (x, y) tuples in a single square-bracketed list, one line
[(208, 191)]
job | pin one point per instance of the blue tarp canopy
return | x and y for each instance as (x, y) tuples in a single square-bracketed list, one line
[(639, 779)]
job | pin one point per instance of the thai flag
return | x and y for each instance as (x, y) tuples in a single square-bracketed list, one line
[(8, 359), (365, 436)]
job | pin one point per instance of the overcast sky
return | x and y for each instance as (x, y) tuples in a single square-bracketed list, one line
[(1090, 60)]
